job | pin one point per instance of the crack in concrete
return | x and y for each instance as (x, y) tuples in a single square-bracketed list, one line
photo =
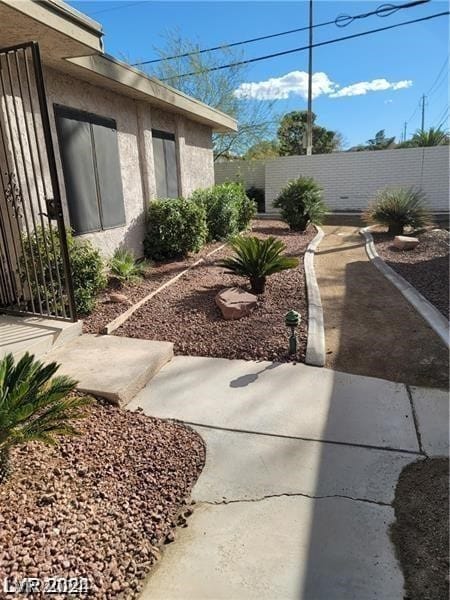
[(415, 420), (293, 494)]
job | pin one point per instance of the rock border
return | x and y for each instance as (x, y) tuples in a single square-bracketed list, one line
[(315, 345), (426, 310), (120, 320)]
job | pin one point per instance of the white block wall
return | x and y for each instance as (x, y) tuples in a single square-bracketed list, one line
[(250, 172), (350, 180)]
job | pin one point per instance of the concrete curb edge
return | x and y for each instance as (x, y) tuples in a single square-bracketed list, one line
[(426, 310), (315, 345)]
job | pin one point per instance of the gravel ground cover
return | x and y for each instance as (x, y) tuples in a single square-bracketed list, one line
[(426, 267), (420, 533), (98, 505), (105, 310), (185, 313)]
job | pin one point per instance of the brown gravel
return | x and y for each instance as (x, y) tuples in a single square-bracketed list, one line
[(420, 533), (100, 504), (105, 311), (185, 313), (426, 267)]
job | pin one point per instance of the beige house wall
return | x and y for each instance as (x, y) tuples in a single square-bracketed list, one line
[(135, 120)]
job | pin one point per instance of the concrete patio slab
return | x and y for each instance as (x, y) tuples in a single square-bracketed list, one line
[(283, 399), (112, 367), (432, 412), (288, 548), (243, 466)]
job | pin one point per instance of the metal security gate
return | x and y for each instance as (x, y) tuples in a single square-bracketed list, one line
[(35, 274)]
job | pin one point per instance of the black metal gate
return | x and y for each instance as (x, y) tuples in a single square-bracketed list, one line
[(35, 274)]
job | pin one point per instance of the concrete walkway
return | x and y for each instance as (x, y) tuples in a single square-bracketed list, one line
[(370, 328), (295, 499)]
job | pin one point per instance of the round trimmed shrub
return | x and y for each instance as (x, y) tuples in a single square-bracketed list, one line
[(174, 227), (301, 203)]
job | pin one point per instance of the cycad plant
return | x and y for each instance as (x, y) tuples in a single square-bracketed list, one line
[(124, 267), (34, 405), (398, 208), (301, 203), (257, 259)]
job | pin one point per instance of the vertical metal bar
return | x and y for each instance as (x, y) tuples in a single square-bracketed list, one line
[(44, 187), (30, 197), (54, 177), (11, 134), (309, 121)]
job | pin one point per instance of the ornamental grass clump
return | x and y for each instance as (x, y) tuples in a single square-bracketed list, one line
[(301, 203), (257, 259), (398, 208), (125, 268), (34, 405)]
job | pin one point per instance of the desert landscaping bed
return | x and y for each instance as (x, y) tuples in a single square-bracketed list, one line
[(420, 532), (426, 267), (186, 314), (157, 274), (98, 505)]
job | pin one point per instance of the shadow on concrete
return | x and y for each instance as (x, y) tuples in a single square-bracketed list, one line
[(246, 380)]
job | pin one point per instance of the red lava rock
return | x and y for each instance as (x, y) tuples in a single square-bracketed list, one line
[(115, 548), (235, 303)]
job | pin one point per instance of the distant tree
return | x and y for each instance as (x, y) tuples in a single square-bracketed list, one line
[(379, 142), (292, 133), (430, 137), (263, 149), (215, 88)]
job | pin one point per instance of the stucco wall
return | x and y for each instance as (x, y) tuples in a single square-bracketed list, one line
[(350, 180)]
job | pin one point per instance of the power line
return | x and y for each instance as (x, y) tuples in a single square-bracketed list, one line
[(384, 10), (121, 7), (438, 76), (301, 48)]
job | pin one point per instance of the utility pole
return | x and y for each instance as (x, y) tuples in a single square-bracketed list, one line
[(423, 112), (405, 124), (309, 140)]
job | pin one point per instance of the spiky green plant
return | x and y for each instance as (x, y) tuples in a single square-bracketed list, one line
[(34, 405), (124, 267), (398, 208), (257, 259), (301, 203), (430, 137)]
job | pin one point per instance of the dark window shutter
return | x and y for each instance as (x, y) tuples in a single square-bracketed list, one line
[(160, 167), (79, 173), (171, 168), (165, 164), (109, 176)]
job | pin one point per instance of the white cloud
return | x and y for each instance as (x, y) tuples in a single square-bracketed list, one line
[(376, 85), (294, 83)]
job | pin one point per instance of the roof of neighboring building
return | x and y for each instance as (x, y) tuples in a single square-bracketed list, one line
[(72, 42)]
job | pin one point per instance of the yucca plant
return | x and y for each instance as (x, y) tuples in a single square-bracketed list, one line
[(124, 267), (398, 208), (34, 405), (257, 259)]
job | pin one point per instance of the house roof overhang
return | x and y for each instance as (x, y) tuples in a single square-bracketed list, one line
[(71, 42)]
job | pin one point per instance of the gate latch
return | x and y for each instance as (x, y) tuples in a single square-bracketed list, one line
[(53, 208)]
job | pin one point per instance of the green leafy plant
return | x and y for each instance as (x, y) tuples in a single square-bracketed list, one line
[(228, 210), (34, 405), (174, 227), (257, 259), (124, 267), (301, 203), (87, 266), (398, 208)]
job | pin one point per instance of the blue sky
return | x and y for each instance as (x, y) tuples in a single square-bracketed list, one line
[(408, 59)]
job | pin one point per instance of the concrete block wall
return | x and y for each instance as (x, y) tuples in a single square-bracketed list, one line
[(251, 172), (350, 180)]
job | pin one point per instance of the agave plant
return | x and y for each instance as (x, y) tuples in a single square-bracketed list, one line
[(124, 267), (257, 259), (398, 208), (34, 405)]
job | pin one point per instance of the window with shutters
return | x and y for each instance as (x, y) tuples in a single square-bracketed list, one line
[(165, 162), (91, 166)]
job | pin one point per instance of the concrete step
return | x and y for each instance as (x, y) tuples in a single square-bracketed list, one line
[(34, 335), (111, 367)]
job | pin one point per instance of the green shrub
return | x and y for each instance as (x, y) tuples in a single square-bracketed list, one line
[(398, 208), (34, 405), (227, 208), (124, 267), (301, 203), (258, 196), (257, 259), (175, 226), (86, 264)]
